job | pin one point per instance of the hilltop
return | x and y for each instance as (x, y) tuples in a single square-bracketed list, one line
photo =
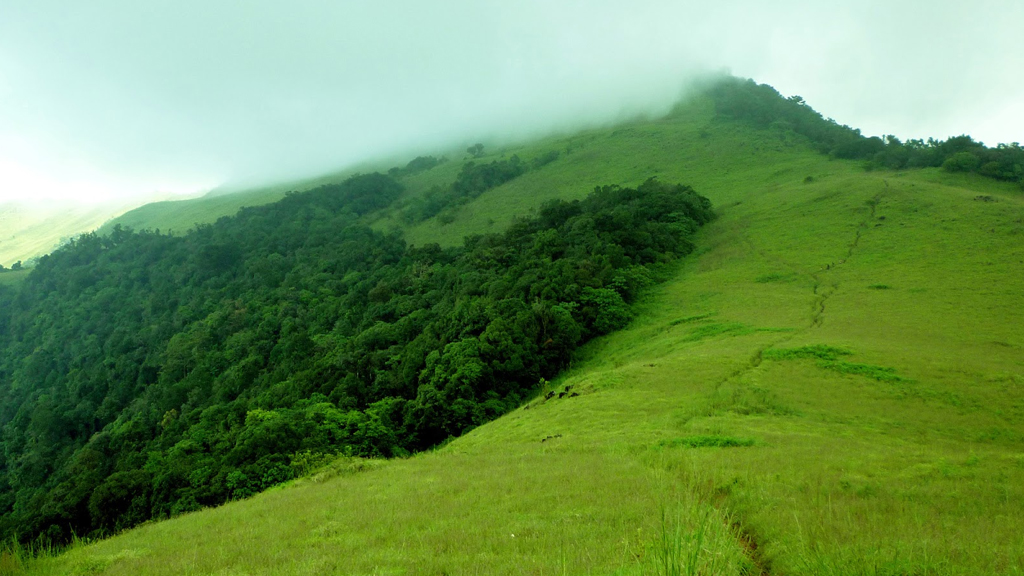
[(829, 384)]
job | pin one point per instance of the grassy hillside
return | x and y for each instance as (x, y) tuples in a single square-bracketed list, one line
[(180, 216), (833, 384), (30, 231)]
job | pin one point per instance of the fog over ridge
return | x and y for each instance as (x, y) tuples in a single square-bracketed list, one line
[(110, 99)]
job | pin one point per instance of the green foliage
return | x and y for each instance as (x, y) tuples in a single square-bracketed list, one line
[(608, 309), (762, 106), (473, 180), (123, 499), (416, 165), (963, 162), (146, 375), (545, 159)]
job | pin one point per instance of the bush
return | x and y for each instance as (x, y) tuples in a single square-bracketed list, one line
[(545, 159), (961, 162)]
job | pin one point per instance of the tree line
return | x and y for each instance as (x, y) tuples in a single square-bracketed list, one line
[(762, 106)]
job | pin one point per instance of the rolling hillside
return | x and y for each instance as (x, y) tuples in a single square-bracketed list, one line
[(28, 231), (180, 216), (833, 383)]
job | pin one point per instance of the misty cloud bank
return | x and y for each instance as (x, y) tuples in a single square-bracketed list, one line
[(114, 98)]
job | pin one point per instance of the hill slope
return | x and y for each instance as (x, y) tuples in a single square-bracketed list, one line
[(30, 231), (180, 216), (831, 385)]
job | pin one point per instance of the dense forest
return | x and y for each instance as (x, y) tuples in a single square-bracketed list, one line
[(143, 375), (762, 106)]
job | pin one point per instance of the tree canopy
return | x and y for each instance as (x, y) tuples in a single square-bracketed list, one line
[(143, 375)]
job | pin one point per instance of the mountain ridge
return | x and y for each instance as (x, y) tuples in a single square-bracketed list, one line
[(809, 354)]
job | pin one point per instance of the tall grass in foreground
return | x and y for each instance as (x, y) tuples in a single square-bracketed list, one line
[(694, 540), (15, 556)]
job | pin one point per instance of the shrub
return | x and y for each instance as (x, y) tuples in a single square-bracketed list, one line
[(961, 162)]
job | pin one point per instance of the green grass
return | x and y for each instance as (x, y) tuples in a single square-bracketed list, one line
[(888, 423), (9, 278), (707, 441), (775, 277), (28, 232), (817, 351), (180, 216)]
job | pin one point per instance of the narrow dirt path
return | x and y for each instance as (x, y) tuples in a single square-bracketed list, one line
[(822, 291)]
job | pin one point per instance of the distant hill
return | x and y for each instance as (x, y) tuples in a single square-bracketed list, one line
[(830, 383), (28, 231), (180, 216)]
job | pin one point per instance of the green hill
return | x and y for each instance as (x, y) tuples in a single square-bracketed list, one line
[(29, 231), (831, 384), (180, 216)]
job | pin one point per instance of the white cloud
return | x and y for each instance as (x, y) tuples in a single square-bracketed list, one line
[(126, 98)]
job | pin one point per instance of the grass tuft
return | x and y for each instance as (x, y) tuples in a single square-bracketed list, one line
[(880, 373), (828, 358), (816, 351), (774, 277), (691, 541), (717, 329), (706, 441), (690, 319)]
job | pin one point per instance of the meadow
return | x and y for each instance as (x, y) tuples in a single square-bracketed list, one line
[(832, 384)]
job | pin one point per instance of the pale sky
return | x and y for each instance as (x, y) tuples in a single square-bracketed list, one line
[(112, 99)]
